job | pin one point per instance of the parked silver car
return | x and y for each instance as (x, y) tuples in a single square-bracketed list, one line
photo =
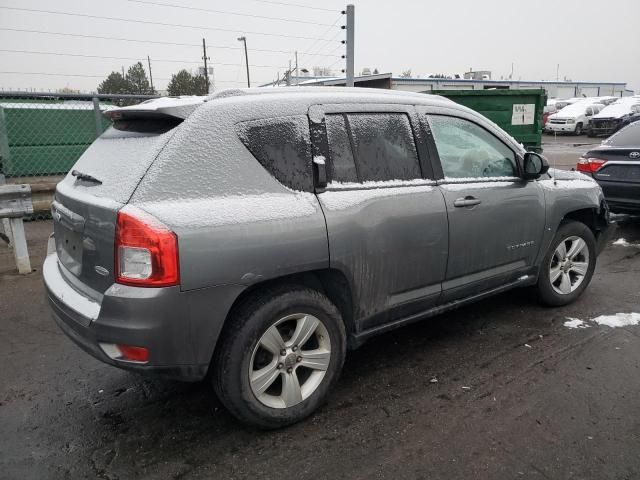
[(259, 234)]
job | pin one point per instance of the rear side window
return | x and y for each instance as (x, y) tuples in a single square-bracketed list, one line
[(283, 147), (372, 147)]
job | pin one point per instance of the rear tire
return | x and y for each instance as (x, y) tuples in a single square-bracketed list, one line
[(568, 266), (279, 356)]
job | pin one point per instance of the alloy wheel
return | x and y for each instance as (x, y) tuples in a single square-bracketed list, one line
[(569, 265), (290, 361)]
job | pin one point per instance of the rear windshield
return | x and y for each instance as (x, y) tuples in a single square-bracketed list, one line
[(629, 136), (118, 159), (147, 125)]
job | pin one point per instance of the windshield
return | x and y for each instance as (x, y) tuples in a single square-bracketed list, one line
[(629, 136)]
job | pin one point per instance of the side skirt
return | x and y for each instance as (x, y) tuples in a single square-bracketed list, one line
[(356, 340)]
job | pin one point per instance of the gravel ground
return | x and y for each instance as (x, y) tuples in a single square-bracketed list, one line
[(498, 390)]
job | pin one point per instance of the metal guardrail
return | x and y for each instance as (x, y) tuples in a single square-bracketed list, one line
[(15, 203)]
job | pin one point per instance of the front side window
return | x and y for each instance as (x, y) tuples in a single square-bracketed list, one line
[(371, 147), (283, 147), (466, 150)]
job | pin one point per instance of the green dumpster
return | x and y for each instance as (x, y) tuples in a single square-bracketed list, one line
[(45, 138), (517, 112)]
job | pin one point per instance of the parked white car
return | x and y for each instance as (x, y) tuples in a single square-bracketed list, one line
[(573, 118)]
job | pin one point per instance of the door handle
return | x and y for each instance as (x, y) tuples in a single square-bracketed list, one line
[(467, 201)]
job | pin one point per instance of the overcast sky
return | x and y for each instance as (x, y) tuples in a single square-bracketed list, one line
[(590, 40)]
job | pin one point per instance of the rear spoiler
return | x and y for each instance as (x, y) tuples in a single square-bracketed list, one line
[(158, 108)]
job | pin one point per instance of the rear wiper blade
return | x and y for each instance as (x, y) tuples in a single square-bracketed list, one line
[(85, 176)]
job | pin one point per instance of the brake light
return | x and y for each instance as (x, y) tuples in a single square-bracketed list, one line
[(146, 251), (590, 165)]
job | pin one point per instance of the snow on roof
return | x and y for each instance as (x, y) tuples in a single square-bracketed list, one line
[(575, 109), (618, 109)]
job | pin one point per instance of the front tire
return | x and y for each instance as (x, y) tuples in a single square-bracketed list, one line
[(578, 130), (279, 356), (568, 266)]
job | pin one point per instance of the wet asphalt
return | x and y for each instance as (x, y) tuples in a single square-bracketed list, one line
[(497, 390)]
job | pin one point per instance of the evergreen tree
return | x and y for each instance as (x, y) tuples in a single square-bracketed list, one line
[(183, 83), (115, 83), (138, 80)]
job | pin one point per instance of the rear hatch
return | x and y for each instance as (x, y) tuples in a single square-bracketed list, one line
[(87, 201)]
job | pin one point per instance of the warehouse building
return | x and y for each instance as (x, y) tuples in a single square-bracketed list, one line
[(554, 89)]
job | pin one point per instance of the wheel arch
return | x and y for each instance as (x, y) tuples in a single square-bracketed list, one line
[(331, 282)]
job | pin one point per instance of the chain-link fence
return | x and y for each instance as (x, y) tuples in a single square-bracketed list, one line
[(43, 134)]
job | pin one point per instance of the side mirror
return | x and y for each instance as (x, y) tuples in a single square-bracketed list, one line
[(534, 165)]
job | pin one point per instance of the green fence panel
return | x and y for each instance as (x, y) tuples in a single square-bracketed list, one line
[(45, 138)]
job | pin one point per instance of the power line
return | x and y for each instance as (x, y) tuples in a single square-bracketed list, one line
[(325, 33), (157, 42), (148, 22), (84, 75), (224, 12), (295, 5), (93, 56), (127, 58)]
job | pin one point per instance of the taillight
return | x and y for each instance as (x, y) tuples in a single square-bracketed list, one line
[(146, 251), (590, 165)]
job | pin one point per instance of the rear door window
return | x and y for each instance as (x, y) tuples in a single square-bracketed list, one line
[(342, 164), (372, 147), (283, 147)]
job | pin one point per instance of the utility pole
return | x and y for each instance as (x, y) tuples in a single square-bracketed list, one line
[(289, 75), (350, 36), (205, 58), (150, 75), (297, 74), (246, 58), (557, 72)]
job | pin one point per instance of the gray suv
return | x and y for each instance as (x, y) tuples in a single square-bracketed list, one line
[(254, 236)]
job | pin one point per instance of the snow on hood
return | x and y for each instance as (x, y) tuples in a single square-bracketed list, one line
[(618, 109), (574, 110)]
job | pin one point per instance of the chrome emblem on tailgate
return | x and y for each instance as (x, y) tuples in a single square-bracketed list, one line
[(634, 155)]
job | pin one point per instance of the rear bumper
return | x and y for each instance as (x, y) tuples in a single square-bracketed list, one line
[(180, 329), (622, 197)]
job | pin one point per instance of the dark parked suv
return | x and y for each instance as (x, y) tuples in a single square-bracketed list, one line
[(259, 234)]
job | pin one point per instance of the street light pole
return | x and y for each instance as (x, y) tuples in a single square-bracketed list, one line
[(246, 58)]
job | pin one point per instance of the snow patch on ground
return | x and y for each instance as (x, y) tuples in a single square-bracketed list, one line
[(613, 321), (618, 320), (623, 243), (575, 323)]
